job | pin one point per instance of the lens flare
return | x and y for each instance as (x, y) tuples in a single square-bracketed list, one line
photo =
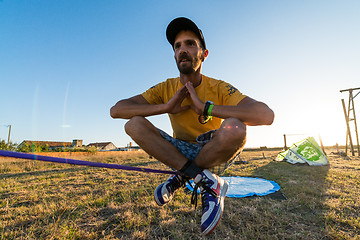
[(64, 125), (35, 112)]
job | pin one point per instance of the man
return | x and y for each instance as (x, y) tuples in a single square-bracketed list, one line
[(208, 118)]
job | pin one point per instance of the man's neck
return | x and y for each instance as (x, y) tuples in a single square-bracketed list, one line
[(195, 78)]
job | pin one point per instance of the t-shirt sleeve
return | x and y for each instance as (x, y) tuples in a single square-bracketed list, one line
[(153, 95), (231, 95)]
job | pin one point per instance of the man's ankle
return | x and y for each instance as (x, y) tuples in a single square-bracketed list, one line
[(190, 169)]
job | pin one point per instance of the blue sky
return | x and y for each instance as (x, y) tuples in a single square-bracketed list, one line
[(63, 64)]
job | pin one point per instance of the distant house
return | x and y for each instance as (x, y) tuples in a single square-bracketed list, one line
[(102, 146), (129, 148), (52, 145)]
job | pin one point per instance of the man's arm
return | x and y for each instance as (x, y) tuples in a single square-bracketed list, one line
[(139, 106), (134, 106), (248, 110)]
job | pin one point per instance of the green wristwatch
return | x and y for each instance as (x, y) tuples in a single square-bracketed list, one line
[(208, 108)]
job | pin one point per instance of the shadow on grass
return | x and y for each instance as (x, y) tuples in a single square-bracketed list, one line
[(302, 215), (294, 179)]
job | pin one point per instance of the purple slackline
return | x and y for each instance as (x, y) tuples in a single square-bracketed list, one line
[(79, 162)]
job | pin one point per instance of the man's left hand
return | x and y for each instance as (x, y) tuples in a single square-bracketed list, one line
[(198, 105)]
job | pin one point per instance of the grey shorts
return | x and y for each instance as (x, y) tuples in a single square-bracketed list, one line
[(191, 150)]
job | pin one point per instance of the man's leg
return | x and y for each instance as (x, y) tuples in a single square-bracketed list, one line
[(148, 137), (213, 189), (226, 142)]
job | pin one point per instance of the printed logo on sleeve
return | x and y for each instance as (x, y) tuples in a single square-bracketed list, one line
[(231, 89)]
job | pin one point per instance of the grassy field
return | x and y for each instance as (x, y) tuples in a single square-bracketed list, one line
[(41, 200)]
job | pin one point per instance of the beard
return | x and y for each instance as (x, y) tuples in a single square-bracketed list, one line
[(191, 66)]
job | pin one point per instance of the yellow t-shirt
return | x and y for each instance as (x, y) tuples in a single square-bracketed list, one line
[(185, 124)]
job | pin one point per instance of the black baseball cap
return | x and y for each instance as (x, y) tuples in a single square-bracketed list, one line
[(179, 24)]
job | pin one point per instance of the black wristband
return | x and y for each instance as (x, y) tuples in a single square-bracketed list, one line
[(206, 108)]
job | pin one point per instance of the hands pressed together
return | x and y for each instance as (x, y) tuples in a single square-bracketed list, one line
[(174, 104)]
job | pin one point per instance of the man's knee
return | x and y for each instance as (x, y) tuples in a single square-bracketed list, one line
[(232, 132), (134, 124)]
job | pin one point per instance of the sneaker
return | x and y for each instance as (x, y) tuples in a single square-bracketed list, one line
[(213, 190), (165, 191)]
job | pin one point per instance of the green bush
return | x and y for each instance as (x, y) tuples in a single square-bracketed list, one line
[(30, 148), (9, 147)]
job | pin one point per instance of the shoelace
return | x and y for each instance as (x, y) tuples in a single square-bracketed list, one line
[(177, 183), (205, 189)]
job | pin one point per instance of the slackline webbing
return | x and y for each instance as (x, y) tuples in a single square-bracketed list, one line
[(79, 162)]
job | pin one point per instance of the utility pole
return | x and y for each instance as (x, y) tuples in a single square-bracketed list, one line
[(9, 134), (285, 147)]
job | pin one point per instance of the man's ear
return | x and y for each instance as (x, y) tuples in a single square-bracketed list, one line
[(204, 55)]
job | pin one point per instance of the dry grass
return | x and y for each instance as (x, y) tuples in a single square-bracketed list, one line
[(56, 201)]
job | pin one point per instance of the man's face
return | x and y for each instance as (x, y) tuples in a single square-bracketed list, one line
[(188, 52)]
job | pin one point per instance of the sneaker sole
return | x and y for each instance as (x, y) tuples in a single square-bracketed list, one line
[(218, 216), (157, 199), (157, 202)]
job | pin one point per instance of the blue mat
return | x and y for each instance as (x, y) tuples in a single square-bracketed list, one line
[(247, 186)]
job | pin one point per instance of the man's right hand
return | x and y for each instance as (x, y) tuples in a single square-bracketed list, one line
[(173, 106), (138, 106)]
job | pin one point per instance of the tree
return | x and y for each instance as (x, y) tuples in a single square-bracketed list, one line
[(30, 148), (9, 147), (24, 148)]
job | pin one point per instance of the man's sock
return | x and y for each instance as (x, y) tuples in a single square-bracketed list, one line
[(190, 169)]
